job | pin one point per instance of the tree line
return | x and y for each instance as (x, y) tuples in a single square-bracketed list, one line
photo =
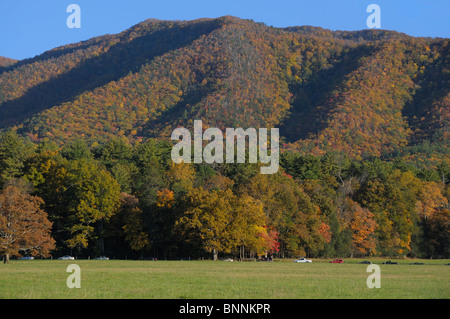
[(131, 201)]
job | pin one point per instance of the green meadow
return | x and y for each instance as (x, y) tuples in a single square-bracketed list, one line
[(120, 279)]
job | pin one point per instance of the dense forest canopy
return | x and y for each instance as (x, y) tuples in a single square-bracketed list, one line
[(132, 201)]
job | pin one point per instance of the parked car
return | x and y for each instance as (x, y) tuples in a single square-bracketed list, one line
[(303, 260), (26, 258), (101, 258), (66, 258), (337, 261), (390, 263), (365, 262)]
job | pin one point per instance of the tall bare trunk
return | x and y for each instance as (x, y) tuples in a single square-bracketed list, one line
[(101, 240), (6, 260)]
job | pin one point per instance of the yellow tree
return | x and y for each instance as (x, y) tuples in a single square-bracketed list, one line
[(249, 225), (208, 219), (180, 177), (429, 199), (393, 202), (221, 220)]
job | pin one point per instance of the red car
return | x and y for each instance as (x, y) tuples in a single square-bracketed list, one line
[(337, 261)]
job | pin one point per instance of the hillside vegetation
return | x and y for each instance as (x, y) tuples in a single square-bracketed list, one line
[(366, 93)]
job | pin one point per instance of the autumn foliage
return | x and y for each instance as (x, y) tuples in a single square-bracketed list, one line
[(363, 117), (24, 226), (365, 93)]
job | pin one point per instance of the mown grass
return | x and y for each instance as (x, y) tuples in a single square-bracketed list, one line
[(45, 279)]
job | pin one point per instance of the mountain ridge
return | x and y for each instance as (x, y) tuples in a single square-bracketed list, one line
[(365, 93)]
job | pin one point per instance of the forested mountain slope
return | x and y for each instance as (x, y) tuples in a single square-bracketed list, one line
[(366, 93)]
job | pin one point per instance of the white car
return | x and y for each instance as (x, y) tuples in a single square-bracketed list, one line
[(303, 260), (101, 258), (66, 258)]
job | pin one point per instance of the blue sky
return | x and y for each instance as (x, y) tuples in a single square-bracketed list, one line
[(29, 27)]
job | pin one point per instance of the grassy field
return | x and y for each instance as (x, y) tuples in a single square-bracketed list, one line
[(227, 280)]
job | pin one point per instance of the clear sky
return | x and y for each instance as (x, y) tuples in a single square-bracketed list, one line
[(30, 27)]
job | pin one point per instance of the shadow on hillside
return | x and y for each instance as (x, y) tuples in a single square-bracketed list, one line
[(307, 115), (178, 115), (432, 87), (118, 61)]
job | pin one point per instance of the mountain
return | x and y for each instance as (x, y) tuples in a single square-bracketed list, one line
[(5, 62), (365, 93)]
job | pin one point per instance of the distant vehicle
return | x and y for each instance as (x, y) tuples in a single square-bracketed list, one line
[(66, 258), (26, 258), (337, 261), (365, 262), (101, 258), (390, 263), (227, 259), (303, 260)]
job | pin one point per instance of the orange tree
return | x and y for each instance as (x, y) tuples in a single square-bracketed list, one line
[(24, 227)]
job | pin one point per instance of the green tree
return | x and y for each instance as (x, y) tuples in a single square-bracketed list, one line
[(94, 198), (133, 227), (13, 152), (75, 150)]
